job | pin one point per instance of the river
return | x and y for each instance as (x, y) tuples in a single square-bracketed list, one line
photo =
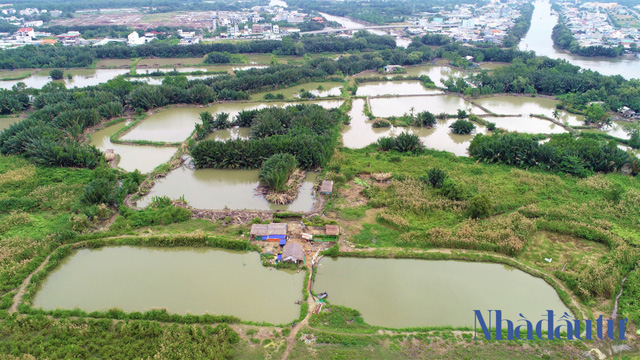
[(539, 40)]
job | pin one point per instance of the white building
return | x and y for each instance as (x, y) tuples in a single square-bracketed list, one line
[(25, 34)]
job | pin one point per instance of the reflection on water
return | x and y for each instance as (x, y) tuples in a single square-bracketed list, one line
[(360, 133), (539, 40), (398, 106), (80, 78), (419, 293), (182, 280), (408, 87), (524, 105), (132, 157), (222, 188), (526, 124)]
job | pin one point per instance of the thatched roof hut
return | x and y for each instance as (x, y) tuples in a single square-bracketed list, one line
[(259, 230), (292, 252)]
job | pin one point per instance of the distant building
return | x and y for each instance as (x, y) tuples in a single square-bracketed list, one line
[(25, 34), (627, 112), (36, 23), (393, 68)]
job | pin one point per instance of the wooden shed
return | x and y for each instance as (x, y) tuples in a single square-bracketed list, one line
[(327, 187)]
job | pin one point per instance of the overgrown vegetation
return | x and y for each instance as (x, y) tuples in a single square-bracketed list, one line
[(276, 170), (308, 132), (580, 157)]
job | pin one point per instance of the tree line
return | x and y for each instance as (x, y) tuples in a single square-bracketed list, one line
[(50, 56)]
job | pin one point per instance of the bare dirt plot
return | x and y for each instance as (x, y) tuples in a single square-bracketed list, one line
[(158, 62), (109, 63)]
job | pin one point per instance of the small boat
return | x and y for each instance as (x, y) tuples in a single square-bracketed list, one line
[(322, 295)]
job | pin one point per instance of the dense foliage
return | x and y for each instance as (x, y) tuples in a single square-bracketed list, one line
[(580, 157), (275, 171), (405, 142), (308, 132), (40, 336)]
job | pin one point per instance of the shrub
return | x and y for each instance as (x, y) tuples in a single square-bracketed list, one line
[(407, 142), (56, 74), (425, 119), (462, 114), (480, 206), (385, 143), (453, 191), (381, 123), (217, 57), (435, 177), (461, 126), (276, 170), (491, 126)]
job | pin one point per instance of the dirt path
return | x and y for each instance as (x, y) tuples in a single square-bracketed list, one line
[(291, 339), (17, 298)]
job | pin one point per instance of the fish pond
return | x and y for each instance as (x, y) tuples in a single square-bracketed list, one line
[(225, 188), (401, 293), (144, 158), (182, 280)]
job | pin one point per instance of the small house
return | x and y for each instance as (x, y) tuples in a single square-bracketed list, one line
[(393, 68), (292, 252), (627, 112), (327, 187)]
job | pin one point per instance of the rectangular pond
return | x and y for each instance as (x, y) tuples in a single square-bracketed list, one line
[(525, 105), (359, 133), (177, 123), (182, 280), (401, 293), (79, 78), (526, 124), (144, 157), (220, 188), (398, 106), (405, 87)]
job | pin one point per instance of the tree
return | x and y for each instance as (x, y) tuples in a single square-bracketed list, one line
[(276, 170), (595, 114), (56, 74), (480, 206), (462, 127)]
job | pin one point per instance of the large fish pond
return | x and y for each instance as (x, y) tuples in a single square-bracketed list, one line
[(393, 293)]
